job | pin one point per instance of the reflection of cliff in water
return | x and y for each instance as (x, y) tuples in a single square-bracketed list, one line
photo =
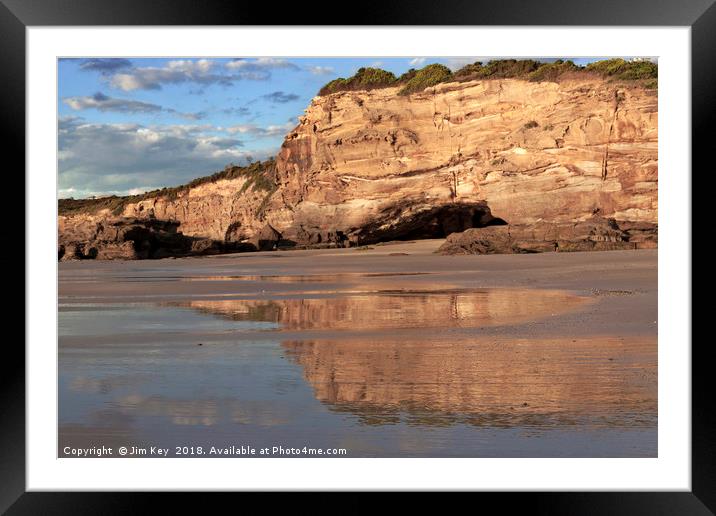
[(431, 381), (398, 309), (600, 381)]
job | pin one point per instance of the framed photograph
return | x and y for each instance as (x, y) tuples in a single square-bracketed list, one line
[(443, 248)]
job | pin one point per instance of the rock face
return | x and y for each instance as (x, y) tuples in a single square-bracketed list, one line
[(227, 210), (595, 234), (132, 239), (532, 152), (369, 166)]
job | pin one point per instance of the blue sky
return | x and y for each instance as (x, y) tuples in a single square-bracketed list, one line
[(132, 125)]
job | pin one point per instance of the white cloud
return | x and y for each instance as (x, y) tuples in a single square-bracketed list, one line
[(152, 78), (202, 71), (260, 64), (202, 66), (65, 154), (137, 191), (320, 70), (417, 61), (102, 102), (262, 132), (117, 158), (199, 71)]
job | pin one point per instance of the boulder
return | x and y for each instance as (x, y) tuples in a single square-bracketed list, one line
[(116, 251), (266, 239), (206, 246), (489, 240), (645, 235), (594, 234), (71, 251)]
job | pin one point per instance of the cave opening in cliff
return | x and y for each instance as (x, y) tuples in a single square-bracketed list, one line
[(437, 222)]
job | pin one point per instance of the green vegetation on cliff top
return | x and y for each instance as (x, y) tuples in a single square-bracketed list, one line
[(364, 79), (428, 76), (414, 81), (260, 176)]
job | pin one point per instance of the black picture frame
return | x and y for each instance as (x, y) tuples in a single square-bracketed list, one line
[(17, 15)]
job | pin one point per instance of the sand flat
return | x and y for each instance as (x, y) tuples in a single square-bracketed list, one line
[(368, 349)]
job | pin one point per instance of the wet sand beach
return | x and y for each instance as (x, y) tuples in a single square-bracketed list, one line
[(385, 351)]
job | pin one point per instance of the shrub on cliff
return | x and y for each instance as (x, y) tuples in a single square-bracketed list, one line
[(364, 79), (417, 80), (371, 78), (498, 69), (516, 69), (552, 71), (538, 71), (72, 206), (407, 76), (625, 70), (428, 76)]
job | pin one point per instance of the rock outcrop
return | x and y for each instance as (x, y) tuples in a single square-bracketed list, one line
[(595, 234), (133, 239), (369, 166)]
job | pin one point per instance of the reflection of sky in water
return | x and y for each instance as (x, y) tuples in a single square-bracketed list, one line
[(374, 397), (144, 318)]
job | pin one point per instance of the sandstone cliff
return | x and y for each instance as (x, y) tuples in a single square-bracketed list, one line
[(367, 166), (532, 151)]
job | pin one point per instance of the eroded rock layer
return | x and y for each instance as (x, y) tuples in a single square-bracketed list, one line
[(595, 234)]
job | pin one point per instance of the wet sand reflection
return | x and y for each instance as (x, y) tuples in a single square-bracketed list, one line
[(371, 365), (606, 381), (398, 309)]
